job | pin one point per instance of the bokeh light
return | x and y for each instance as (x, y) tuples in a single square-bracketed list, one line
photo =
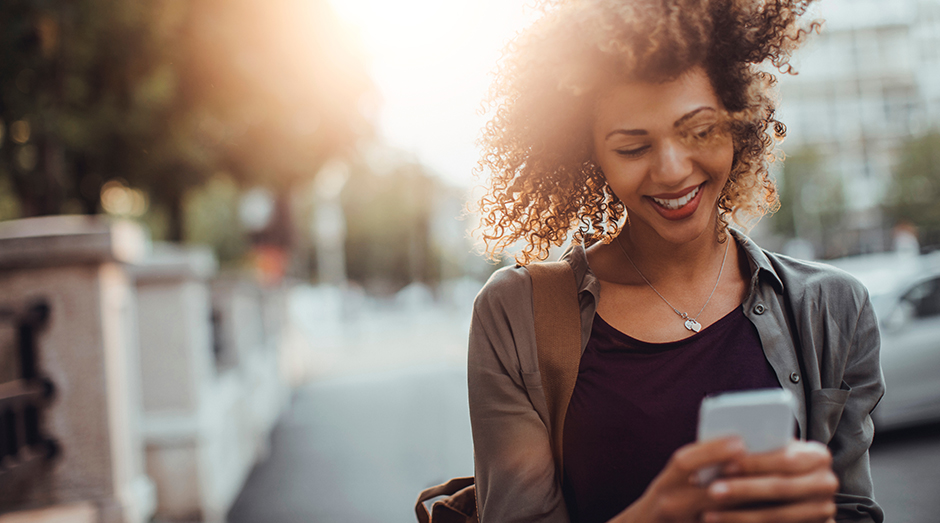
[(26, 157), (20, 131), (119, 200)]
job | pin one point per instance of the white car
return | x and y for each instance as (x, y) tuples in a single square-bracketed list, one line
[(905, 293)]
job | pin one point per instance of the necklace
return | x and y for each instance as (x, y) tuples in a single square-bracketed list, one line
[(691, 323)]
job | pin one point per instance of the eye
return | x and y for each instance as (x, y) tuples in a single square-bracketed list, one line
[(633, 152), (703, 131)]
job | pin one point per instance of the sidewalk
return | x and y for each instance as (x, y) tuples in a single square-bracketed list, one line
[(358, 449), (384, 416)]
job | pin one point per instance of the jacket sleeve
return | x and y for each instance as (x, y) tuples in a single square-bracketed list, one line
[(853, 436), (514, 468)]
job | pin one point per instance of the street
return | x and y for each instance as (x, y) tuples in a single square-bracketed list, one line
[(904, 467)]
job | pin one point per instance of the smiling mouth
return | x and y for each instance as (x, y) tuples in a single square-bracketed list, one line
[(678, 203)]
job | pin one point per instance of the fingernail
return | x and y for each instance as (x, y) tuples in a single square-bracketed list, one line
[(718, 489), (735, 445)]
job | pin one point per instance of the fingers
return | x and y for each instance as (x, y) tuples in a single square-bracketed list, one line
[(689, 459), (821, 511), (798, 480), (682, 503), (821, 484), (674, 495), (798, 457)]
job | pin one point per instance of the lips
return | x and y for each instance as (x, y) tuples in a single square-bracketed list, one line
[(677, 206), (675, 203)]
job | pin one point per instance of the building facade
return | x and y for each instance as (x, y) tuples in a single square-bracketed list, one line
[(866, 83)]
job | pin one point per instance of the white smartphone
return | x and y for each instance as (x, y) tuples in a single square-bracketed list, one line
[(764, 419)]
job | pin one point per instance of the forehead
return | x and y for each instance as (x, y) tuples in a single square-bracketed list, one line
[(644, 105)]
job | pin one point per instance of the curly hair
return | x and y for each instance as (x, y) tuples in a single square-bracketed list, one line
[(537, 145)]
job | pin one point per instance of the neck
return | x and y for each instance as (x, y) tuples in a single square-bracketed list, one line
[(659, 259)]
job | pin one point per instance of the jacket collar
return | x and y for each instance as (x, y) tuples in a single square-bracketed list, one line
[(757, 259), (576, 257), (759, 263)]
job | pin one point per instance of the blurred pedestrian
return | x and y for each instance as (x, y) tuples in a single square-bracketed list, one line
[(644, 128), (904, 239)]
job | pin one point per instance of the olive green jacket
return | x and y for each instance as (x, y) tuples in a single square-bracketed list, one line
[(818, 331)]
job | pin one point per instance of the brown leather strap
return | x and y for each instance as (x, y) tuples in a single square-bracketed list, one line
[(445, 489), (558, 341)]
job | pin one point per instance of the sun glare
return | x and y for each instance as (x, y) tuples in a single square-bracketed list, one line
[(431, 62)]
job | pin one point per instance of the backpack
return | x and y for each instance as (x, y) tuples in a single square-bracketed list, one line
[(558, 341)]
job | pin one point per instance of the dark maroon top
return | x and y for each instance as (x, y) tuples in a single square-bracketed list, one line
[(635, 403)]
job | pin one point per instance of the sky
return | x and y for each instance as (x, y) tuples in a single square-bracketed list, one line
[(432, 61)]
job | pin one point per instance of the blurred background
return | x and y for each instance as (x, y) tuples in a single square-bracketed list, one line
[(235, 265)]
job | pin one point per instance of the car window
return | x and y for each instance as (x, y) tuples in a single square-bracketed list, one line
[(925, 298)]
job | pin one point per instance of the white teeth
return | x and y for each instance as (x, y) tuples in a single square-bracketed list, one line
[(678, 202)]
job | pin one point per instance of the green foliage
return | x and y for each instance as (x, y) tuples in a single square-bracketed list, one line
[(388, 219), (914, 192), (70, 70), (211, 213), (163, 93), (9, 204), (812, 202)]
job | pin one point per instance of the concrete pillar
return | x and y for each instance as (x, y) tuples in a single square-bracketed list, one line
[(88, 350), (248, 326), (191, 420)]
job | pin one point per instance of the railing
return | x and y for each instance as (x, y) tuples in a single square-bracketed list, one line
[(23, 446)]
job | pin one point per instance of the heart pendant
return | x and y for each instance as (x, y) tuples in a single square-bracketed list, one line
[(693, 325)]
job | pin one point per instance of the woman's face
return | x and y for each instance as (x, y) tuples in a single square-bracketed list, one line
[(664, 153)]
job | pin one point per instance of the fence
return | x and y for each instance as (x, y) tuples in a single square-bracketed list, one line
[(23, 445)]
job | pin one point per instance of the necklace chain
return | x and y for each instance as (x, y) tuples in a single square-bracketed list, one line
[(691, 323)]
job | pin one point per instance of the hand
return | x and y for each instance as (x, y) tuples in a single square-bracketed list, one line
[(795, 484), (675, 495)]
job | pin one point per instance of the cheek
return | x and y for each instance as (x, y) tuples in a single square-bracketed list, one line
[(623, 178)]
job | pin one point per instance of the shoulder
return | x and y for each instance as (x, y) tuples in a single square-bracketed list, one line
[(804, 279), (508, 287), (819, 287), (512, 286), (503, 308), (502, 330)]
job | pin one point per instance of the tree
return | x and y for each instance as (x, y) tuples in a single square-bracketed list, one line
[(812, 203), (163, 94), (282, 84), (915, 187), (388, 222), (66, 98)]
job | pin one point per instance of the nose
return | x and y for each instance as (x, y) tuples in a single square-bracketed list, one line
[(673, 163)]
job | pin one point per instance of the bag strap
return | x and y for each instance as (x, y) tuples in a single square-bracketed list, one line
[(558, 341), (451, 487)]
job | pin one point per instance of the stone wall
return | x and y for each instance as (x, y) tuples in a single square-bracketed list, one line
[(88, 351), (166, 377)]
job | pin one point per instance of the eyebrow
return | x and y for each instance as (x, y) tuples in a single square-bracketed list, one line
[(677, 123), (689, 115)]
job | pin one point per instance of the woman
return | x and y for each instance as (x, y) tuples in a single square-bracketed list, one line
[(645, 126)]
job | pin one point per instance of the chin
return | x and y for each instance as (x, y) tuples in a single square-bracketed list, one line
[(677, 238), (682, 231)]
